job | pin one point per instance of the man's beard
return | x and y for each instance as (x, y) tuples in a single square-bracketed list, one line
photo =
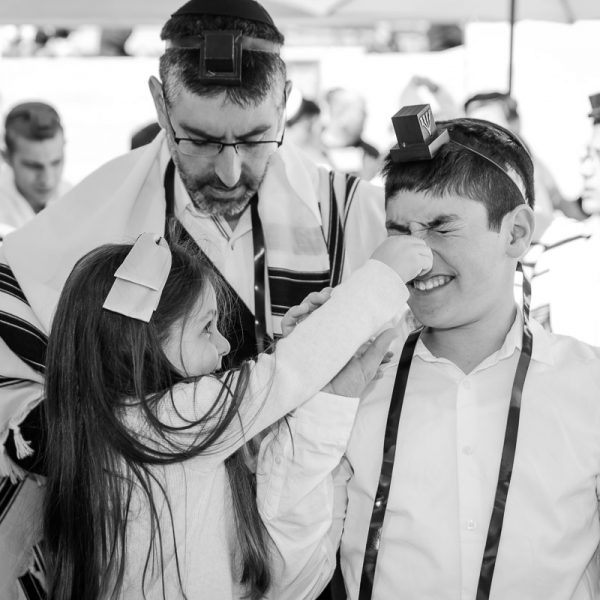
[(200, 191)]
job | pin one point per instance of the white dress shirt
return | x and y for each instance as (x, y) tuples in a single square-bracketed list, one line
[(200, 523), (232, 251), (444, 482), (448, 453)]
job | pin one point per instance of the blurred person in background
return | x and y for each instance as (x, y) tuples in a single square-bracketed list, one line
[(501, 108), (218, 178), (566, 282), (303, 127), (344, 122), (34, 145), (423, 90), (144, 135)]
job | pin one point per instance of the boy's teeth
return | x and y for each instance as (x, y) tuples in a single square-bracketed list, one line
[(431, 283)]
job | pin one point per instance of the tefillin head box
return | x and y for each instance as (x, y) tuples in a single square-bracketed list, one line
[(417, 134)]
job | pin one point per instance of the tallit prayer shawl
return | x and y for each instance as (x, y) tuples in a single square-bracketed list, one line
[(125, 198), (303, 211)]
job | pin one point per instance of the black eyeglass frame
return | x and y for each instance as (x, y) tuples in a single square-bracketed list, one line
[(222, 145)]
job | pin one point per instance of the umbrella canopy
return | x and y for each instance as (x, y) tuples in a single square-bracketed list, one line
[(442, 11), (115, 13), (132, 12)]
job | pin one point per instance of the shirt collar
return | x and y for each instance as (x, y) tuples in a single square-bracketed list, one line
[(542, 345)]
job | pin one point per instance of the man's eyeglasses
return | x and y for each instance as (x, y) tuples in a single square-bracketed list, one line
[(211, 148)]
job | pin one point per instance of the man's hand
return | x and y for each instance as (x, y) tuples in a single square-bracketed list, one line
[(409, 256), (361, 369), (299, 312)]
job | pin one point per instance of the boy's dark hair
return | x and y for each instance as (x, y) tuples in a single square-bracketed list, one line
[(456, 170), (261, 71), (35, 121)]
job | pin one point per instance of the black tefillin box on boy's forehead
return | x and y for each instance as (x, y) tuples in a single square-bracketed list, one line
[(417, 134)]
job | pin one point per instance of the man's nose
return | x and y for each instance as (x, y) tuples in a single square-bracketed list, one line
[(47, 177), (228, 166), (587, 166)]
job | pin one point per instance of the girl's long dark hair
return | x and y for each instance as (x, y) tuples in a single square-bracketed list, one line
[(98, 364)]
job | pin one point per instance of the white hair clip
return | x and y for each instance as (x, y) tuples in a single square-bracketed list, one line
[(140, 279)]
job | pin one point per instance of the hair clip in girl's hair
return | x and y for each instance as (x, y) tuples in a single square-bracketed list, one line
[(140, 279), (417, 134)]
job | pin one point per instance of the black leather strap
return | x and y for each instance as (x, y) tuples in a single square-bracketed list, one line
[(239, 326), (506, 464), (387, 468)]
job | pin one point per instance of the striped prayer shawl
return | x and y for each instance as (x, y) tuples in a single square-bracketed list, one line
[(22, 567), (21, 332), (289, 287), (307, 251)]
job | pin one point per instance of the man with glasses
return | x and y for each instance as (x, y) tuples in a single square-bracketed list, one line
[(274, 225)]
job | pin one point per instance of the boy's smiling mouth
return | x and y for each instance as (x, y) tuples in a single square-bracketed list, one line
[(432, 282)]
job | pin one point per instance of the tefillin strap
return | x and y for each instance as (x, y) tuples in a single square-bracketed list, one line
[(246, 332), (419, 139), (390, 443), (376, 524)]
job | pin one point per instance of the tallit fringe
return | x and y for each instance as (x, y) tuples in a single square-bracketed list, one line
[(22, 447), (9, 469)]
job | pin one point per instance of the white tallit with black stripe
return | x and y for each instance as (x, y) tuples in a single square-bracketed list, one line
[(303, 210), (318, 227)]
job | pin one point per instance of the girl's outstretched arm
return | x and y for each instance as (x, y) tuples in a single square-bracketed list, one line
[(303, 363)]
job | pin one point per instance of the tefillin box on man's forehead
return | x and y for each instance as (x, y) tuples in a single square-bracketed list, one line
[(221, 57), (221, 50), (417, 134)]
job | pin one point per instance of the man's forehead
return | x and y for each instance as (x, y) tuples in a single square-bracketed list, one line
[(40, 149), (219, 114)]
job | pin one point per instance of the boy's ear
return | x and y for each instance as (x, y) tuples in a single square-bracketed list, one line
[(288, 88), (156, 90), (519, 224)]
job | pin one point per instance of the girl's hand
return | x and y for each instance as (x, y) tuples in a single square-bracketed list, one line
[(299, 312), (362, 368), (408, 255)]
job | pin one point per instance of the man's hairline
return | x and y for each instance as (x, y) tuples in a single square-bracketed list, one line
[(10, 149)]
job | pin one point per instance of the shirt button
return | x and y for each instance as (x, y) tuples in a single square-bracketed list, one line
[(468, 450), (278, 460), (471, 525), (466, 384)]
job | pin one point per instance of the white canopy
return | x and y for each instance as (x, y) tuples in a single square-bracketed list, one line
[(132, 12)]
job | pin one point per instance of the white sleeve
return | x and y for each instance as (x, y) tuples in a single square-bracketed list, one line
[(295, 494), (302, 364)]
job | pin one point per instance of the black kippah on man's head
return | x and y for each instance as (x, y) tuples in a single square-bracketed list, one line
[(241, 9)]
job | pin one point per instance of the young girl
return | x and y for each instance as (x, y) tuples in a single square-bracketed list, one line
[(149, 494)]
